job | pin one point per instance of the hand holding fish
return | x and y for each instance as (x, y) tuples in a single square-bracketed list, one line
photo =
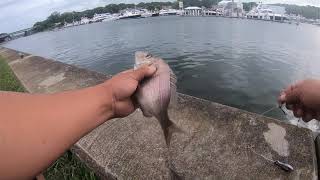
[(52, 123), (123, 86), (303, 98)]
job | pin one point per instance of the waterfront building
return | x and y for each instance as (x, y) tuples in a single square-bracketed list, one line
[(268, 12), (193, 11), (84, 20), (231, 8)]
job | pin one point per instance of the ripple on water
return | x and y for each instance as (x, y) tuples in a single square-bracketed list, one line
[(243, 64)]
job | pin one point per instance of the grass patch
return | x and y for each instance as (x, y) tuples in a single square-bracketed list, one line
[(8, 81), (68, 166)]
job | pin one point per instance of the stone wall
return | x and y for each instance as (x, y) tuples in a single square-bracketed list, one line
[(217, 142)]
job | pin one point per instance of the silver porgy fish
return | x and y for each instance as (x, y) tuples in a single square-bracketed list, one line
[(155, 93)]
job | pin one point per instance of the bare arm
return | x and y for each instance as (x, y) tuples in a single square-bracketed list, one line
[(36, 129)]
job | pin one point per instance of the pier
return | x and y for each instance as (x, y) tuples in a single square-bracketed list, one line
[(218, 142)]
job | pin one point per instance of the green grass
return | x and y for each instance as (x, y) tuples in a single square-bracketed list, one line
[(68, 166), (8, 81)]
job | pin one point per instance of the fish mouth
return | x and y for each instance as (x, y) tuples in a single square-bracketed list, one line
[(143, 58), (141, 63), (149, 55)]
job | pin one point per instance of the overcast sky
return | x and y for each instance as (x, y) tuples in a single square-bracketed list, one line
[(20, 14)]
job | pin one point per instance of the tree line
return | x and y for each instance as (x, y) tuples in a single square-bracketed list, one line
[(57, 19), (310, 12)]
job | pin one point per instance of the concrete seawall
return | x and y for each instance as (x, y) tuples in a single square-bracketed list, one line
[(219, 142)]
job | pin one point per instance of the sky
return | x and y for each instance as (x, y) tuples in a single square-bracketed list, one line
[(20, 14)]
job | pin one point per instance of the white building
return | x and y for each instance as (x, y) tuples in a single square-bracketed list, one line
[(193, 11), (268, 12), (231, 8), (84, 20)]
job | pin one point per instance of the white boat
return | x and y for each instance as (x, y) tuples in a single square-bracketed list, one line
[(112, 17), (168, 12), (146, 14), (268, 13), (129, 14), (100, 17), (84, 20)]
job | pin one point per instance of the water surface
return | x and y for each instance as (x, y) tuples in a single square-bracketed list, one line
[(237, 62)]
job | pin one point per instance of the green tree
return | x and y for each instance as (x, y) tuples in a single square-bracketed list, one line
[(248, 6), (310, 12), (54, 17)]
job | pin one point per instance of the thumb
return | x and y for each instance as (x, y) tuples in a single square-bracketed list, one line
[(143, 72), (291, 97)]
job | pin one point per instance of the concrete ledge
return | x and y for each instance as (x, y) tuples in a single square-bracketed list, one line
[(218, 142)]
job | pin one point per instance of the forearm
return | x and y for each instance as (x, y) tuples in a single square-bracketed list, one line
[(37, 129)]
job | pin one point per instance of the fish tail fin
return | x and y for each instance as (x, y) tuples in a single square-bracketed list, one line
[(169, 128), (173, 128)]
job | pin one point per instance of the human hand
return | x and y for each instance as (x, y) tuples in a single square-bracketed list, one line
[(303, 98), (123, 86)]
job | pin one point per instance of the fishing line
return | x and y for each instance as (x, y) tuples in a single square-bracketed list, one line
[(283, 111), (269, 110), (284, 166)]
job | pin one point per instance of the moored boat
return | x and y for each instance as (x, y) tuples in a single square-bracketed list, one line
[(129, 14)]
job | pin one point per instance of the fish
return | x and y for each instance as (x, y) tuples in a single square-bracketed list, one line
[(154, 94)]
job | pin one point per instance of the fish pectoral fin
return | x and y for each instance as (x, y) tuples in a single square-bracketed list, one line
[(146, 113)]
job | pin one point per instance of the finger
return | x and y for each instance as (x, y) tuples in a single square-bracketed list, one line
[(298, 110), (289, 90), (289, 106), (144, 71), (317, 116), (298, 113), (292, 87), (308, 116), (291, 97)]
